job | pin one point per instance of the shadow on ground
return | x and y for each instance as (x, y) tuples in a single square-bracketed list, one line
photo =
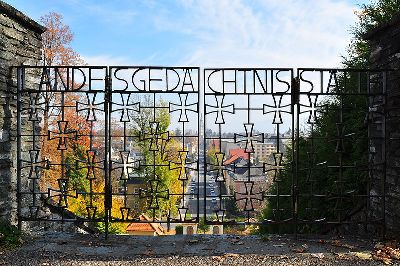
[(79, 249)]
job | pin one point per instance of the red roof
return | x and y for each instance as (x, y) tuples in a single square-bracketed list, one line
[(239, 152), (145, 227), (142, 227), (235, 154)]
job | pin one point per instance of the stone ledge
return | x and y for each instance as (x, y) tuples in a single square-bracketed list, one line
[(21, 18)]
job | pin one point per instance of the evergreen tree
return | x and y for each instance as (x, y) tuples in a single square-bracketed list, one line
[(328, 193)]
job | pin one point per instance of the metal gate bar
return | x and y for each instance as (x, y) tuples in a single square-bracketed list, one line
[(259, 140)]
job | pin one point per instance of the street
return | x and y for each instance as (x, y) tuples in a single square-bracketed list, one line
[(197, 191)]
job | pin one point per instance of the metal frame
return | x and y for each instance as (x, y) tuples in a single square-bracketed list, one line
[(276, 95)]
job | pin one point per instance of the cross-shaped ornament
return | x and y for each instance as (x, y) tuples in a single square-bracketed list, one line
[(311, 164), (153, 194), (220, 109), (182, 213), (35, 106), (127, 107), (181, 166), (219, 167), (90, 107), (249, 137), (156, 137), (35, 165), (249, 196), (277, 167), (340, 137), (91, 164), (62, 193), (277, 109), (220, 214), (63, 135), (91, 212), (183, 107), (125, 212), (127, 165), (312, 117), (311, 108)]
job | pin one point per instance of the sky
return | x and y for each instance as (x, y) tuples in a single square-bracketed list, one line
[(206, 33)]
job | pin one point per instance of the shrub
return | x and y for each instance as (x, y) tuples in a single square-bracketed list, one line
[(179, 230), (10, 236)]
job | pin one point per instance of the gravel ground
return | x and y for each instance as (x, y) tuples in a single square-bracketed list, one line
[(75, 249)]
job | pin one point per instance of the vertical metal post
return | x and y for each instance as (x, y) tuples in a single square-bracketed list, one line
[(295, 149), (204, 151), (107, 168), (20, 87), (201, 114)]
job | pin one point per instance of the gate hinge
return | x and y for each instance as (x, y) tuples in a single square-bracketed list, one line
[(295, 90)]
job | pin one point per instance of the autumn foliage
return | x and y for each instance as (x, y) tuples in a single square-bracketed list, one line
[(56, 42), (74, 164)]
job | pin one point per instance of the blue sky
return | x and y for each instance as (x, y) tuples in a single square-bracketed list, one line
[(207, 33)]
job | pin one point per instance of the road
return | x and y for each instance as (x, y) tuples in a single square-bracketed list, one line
[(194, 200)]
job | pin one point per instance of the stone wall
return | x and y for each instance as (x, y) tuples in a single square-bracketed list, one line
[(20, 43), (385, 43)]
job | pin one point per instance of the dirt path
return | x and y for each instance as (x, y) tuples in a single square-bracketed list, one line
[(76, 249)]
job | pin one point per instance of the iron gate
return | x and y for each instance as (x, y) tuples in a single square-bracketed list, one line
[(286, 152)]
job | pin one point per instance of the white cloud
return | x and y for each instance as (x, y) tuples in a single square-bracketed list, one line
[(267, 33)]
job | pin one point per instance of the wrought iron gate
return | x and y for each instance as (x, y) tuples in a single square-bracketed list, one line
[(110, 145)]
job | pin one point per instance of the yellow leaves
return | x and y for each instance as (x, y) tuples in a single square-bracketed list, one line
[(362, 255), (386, 252), (77, 205)]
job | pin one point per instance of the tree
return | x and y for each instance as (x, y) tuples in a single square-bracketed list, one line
[(56, 41), (370, 16), (164, 158), (351, 110), (203, 226), (212, 155), (231, 208), (85, 184)]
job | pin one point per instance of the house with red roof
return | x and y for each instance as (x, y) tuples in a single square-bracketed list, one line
[(145, 229), (235, 155)]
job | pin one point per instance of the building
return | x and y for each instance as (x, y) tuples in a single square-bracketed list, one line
[(263, 150), (133, 200), (228, 145), (145, 229), (236, 155), (239, 171), (189, 228)]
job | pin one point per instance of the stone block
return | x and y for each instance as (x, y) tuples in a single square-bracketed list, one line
[(20, 42)]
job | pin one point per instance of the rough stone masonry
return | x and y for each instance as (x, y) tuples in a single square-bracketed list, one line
[(20, 43), (385, 44)]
